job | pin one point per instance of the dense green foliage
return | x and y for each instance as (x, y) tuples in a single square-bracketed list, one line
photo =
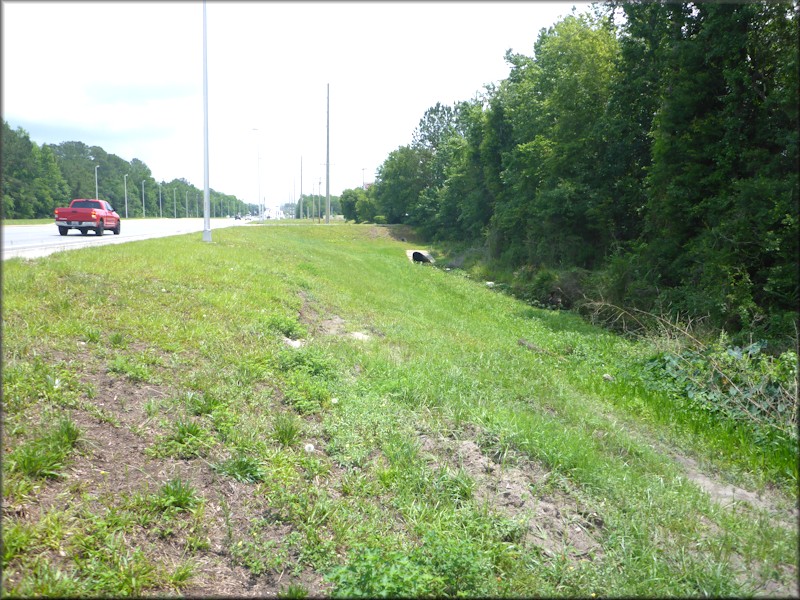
[(646, 154), (35, 180)]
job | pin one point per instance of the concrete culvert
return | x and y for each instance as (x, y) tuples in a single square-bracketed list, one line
[(419, 256)]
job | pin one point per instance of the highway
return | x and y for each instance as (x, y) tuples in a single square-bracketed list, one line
[(33, 241)]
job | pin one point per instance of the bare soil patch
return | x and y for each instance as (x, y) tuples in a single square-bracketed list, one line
[(556, 522), (111, 466)]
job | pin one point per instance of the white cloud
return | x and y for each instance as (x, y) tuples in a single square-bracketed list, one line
[(128, 77)]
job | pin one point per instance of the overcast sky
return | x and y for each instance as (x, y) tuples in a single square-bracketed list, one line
[(128, 76)]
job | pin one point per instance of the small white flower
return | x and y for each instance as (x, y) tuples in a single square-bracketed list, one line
[(334, 400), (163, 289), (309, 448)]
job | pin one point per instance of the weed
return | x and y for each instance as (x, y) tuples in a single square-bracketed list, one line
[(287, 429), (373, 573), (45, 454), (305, 393), (293, 590), (134, 371), (187, 440), (285, 326), (308, 359), (176, 494), (456, 486), (259, 556), (200, 403), (182, 574), (242, 468)]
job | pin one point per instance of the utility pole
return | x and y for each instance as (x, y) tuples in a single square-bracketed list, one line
[(328, 164), (174, 204), (126, 195), (144, 210), (160, 206)]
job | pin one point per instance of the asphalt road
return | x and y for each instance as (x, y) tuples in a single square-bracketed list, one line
[(32, 241)]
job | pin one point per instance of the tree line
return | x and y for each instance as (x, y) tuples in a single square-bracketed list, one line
[(37, 179), (646, 153)]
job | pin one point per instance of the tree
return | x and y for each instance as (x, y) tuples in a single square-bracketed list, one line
[(349, 199), (548, 113), (19, 167), (400, 179)]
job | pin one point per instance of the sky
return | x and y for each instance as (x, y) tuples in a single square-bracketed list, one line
[(128, 77)]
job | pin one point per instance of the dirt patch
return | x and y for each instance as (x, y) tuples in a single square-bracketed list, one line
[(111, 466), (332, 325), (729, 495), (555, 522)]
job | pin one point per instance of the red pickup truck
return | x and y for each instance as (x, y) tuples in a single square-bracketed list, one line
[(84, 215)]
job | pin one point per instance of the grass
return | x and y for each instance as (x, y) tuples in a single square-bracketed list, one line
[(471, 445)]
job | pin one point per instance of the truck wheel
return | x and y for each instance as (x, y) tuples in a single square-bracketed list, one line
[(100, 229), (63, 230), (83, 230), (118, 228)]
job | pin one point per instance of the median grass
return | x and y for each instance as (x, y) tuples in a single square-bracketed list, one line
[(299, 410)]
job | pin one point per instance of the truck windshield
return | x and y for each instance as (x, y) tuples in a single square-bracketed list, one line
[(86, 204)]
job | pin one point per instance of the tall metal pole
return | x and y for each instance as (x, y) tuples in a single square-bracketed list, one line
[(125, 179), (301, 187), (206, 192), (258, 170), (96, 193), (160, 206), (144, 210), (328, 164), (186, 203), (174, 204)]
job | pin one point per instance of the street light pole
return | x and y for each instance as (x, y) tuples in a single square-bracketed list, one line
[(96, 193), (301, 187), (328, 163), (160, 207), (258, 170), (174, 204), (144, 210), (206, 191), (126, 195)]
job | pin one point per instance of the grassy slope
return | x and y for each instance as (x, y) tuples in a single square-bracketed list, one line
[(177, 349)]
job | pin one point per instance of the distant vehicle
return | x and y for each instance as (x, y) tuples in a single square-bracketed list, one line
[(238, 217), (83, 215)]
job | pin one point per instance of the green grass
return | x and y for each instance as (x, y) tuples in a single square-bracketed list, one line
[(187, 351)]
